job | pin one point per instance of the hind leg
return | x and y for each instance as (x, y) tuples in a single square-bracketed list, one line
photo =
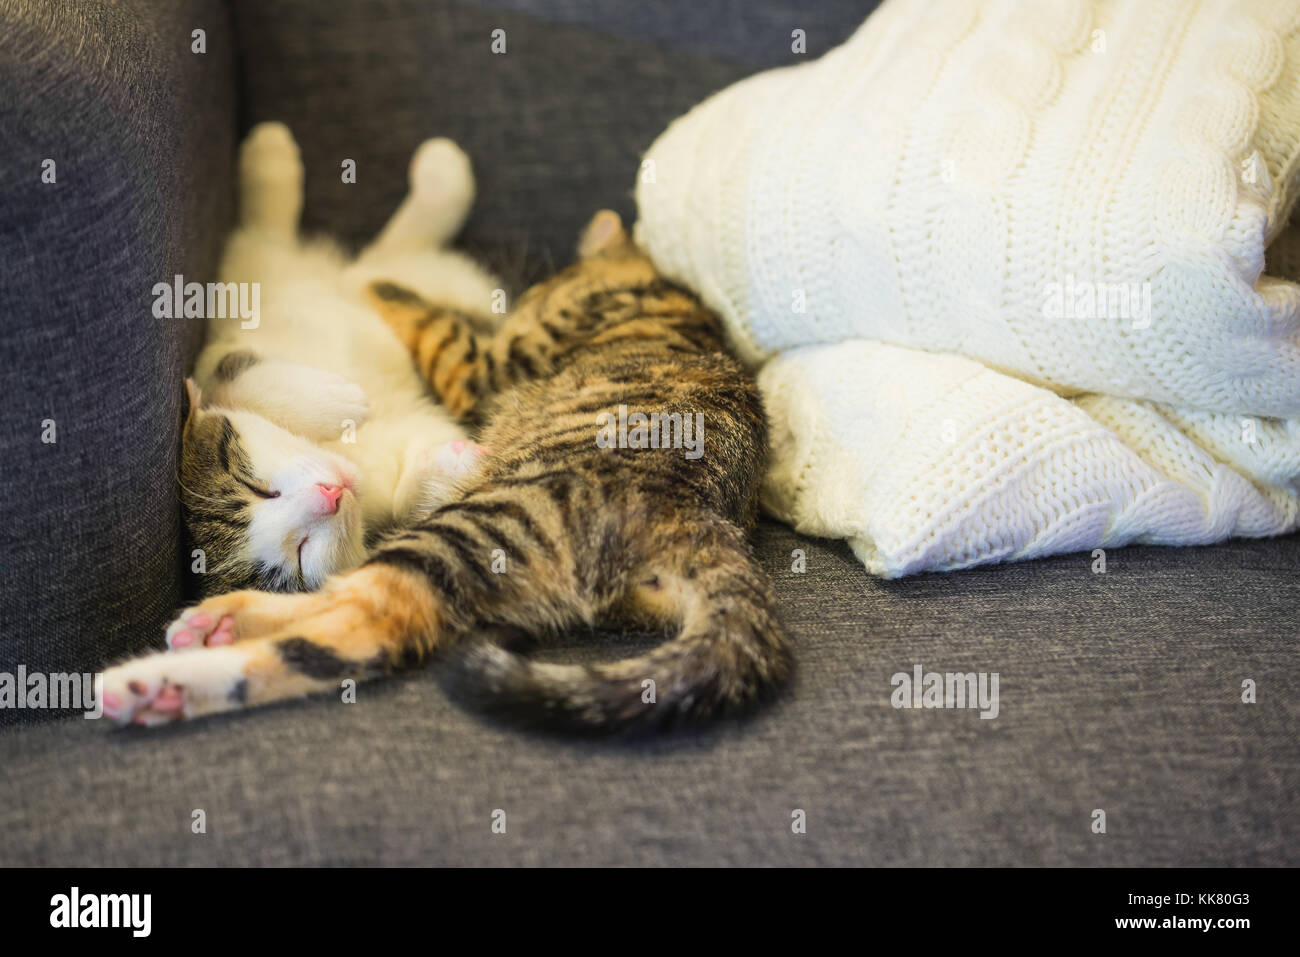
[(440, 197), (270, 180)]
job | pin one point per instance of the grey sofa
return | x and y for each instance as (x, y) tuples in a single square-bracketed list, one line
[(1119, 691)]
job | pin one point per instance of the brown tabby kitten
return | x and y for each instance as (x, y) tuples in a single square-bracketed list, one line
[(555, 530)]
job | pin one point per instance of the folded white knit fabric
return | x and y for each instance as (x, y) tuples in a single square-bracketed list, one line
[(1080, 195), (927, 462)]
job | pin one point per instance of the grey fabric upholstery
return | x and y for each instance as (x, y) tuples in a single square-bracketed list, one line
[(555, 126), (1119, 691), (140, 129)]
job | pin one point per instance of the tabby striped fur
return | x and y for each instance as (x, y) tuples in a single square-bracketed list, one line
[(587, 534)]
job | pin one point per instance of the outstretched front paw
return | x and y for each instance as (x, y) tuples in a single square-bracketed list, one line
[(207, 668), (165, 687), (200, 629), (249, 648)]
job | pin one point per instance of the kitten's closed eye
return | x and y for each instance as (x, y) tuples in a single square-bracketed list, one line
[(260, 492), (268, 508)]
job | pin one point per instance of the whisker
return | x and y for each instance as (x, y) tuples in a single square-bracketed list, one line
[(196, 495)]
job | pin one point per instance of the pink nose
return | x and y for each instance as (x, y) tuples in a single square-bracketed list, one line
[(331, 494)]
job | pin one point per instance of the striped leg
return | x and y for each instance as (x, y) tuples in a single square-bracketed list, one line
[(249, 648), (490, 556), (453, 358)]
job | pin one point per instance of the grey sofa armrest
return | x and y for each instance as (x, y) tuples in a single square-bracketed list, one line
[(116, 143)]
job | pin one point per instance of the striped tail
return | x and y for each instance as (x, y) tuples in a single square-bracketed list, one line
[(730, 653)]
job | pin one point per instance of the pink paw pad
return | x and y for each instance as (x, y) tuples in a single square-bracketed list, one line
[(460, 457), (224, 633), (170, 700), (197, 629), (152, 707)]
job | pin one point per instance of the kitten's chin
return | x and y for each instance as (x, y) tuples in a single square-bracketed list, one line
[(333, 547)]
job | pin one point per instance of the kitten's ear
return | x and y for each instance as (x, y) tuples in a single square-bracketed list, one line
[(193, 397), (603, 234)]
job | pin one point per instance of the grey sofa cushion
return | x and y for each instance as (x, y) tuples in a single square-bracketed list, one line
[(140, 129), (1118, 691), (555, 126)]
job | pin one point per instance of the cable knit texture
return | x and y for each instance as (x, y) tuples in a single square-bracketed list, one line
[(1020, 271)]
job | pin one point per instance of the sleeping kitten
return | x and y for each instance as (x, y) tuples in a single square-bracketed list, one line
[(312, 430), (568, 522)]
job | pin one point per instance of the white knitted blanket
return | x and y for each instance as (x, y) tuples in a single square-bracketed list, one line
[(1018, 272)]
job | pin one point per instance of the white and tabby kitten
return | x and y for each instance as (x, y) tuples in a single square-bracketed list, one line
[(313, 430)]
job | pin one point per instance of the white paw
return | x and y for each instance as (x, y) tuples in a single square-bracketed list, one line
[(270, 155), (200, 629), (445, 471), (433, 475), (441, 171), (459, 458), (337, 398), (165, 687)]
